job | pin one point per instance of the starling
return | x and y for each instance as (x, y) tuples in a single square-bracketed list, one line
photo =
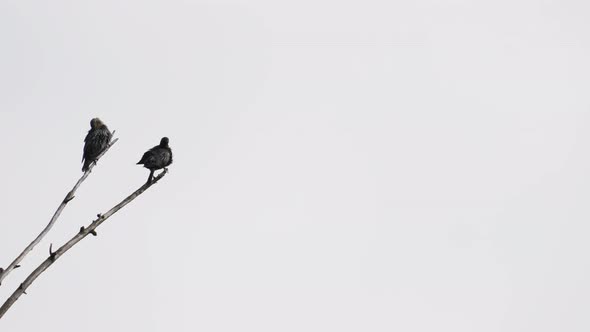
[(96, 141), (157, 157)]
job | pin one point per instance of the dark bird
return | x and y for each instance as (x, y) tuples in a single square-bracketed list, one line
[(158, 157), (96, 141)]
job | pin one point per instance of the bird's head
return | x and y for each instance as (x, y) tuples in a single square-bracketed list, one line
[(164, 142), (96, 123)]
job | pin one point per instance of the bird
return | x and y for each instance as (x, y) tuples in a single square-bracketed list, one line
[(158, 157), (96, 141)]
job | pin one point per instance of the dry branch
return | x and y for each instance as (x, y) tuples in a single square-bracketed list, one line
[(69, 197), (82, 233)]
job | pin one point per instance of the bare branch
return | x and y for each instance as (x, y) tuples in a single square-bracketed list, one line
[(82, 233), (68, 198)]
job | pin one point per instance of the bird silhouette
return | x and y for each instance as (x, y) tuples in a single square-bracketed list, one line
[(96, 141), (158, 157)]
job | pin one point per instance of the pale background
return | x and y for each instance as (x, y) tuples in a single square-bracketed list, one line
[(339, 165)]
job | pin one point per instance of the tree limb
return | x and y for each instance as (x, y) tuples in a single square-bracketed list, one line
[(68, 198), (82, 233)]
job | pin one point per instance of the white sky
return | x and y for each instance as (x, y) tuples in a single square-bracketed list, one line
[(339, 165)]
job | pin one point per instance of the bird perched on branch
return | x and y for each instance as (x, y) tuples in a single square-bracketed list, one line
[(158, 157), (96, 141)]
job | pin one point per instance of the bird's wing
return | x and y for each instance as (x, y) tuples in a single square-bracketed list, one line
[(146, 156), (86, 145)]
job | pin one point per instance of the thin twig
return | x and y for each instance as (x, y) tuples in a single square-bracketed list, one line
[(69, 197), (82, 233)]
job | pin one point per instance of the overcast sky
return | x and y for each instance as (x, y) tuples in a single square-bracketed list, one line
[(338, 165)]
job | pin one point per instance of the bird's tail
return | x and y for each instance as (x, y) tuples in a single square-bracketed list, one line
[(86, 165)]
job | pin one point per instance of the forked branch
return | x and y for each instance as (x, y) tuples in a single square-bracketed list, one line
[(82, 233), (66, 200)]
